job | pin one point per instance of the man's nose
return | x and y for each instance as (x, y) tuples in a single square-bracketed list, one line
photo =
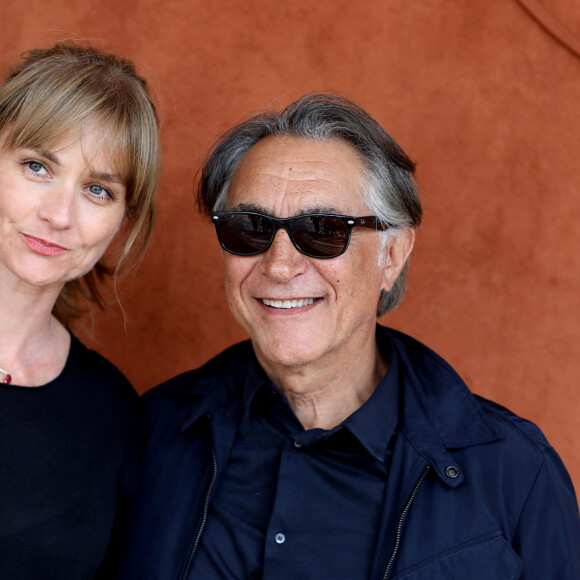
[(282, 261), (57, 207)]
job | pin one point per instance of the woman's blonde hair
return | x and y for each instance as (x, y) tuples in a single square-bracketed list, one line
[(55, 91)]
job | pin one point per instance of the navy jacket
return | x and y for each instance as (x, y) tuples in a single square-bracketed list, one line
[(475, 492)]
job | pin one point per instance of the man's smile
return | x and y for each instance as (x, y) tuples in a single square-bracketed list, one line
[(293, 303)]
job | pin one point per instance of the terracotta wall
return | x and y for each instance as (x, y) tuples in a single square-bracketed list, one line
[(484, 95)]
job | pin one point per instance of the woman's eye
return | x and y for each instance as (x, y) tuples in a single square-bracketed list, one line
[(36, 167), (100, 191)]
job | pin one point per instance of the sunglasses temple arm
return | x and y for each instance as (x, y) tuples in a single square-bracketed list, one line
[(370, 222)]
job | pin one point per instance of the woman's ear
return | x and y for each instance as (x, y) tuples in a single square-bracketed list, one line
[(396, 252)]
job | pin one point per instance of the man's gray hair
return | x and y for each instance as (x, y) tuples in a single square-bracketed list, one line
[(391, 192)]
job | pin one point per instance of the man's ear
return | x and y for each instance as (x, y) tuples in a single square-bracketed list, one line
[(397, 251)]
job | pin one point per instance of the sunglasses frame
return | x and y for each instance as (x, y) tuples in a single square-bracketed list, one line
[(370, 222)]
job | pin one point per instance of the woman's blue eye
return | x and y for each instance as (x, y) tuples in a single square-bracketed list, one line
[(35, 166), (100, 191)]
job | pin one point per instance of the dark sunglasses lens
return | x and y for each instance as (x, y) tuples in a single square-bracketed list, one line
[(320, 236), (244, 233)]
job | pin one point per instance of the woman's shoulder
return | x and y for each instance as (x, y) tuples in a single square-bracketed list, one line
[(94, 372)]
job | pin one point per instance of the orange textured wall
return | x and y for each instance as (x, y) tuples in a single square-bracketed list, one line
[(482, 94)]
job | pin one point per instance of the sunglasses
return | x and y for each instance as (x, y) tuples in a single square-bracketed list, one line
[(246, 233)]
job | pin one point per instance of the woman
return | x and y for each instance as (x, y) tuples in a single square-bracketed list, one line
[(79, 163)]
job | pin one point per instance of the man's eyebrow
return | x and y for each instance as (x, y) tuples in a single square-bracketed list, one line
[(304, 211), (250, 207), (320, 209)]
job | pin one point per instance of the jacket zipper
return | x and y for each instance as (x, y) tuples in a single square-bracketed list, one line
[(203, 516), (402, 521)]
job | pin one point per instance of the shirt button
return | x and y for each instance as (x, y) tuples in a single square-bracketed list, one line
[(280, 538), (297, 444)]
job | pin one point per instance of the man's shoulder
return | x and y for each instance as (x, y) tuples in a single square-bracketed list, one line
[(513, 428), (216, 380), (448, 401)]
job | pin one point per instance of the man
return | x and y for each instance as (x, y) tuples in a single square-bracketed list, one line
[(328, 447)]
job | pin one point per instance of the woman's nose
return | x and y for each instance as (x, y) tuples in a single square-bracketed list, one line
[(57, 207)]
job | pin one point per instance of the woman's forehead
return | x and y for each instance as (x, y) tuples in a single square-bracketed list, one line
[(102, 147)]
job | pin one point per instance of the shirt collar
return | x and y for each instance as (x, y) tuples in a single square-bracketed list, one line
[(374, 423)]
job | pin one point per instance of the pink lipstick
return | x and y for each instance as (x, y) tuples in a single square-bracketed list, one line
[(43, 247)]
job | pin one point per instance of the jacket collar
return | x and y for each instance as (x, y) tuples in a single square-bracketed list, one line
[(438, 412), (215, 385)]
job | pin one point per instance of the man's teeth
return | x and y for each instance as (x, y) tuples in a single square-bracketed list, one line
[(288, 303)]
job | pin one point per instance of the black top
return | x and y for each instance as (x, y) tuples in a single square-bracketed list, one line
[(285, 507), (68, 457)]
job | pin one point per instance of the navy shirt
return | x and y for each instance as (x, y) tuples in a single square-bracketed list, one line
[(295, 503)]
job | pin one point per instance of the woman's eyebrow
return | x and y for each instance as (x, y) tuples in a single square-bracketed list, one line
[(111, 177), (47, 155), (106, 176)]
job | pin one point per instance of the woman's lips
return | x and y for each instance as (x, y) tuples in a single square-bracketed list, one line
[(43, 247)]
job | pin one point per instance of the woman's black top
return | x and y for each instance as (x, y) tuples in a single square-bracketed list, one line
[(68, 460)]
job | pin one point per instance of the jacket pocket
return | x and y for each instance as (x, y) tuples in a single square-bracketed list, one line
[(483, 559)]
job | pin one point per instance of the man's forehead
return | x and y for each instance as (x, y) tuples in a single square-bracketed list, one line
[(299, 166), (288, 149)]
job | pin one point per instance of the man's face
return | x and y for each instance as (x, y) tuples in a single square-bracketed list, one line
[(300, 310)]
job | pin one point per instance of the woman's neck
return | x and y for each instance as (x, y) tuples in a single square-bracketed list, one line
[(33, 344)]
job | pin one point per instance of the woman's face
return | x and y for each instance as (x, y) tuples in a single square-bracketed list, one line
[(60, 207)]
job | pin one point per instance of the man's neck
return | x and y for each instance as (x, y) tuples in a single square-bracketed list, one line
[(325, 393)]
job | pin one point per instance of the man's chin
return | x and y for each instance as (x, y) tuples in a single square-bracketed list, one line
[(290, 354)]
